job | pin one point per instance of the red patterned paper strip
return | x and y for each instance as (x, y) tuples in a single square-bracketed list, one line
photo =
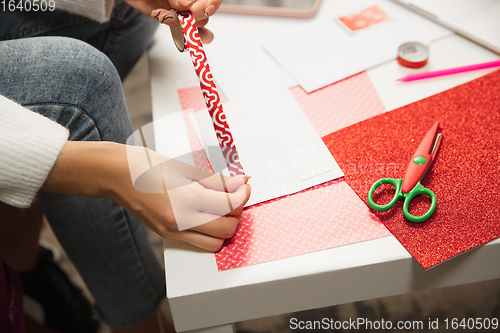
[(193, 44)]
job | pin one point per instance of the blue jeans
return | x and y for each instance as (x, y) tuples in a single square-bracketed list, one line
[(76, 85), (124, 38)]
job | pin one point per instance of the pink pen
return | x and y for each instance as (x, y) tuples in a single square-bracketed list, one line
[(426, 75)]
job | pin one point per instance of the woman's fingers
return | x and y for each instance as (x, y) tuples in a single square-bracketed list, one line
[(206, 35), (201, 9), (202, 23), (210, 7), (200, 240), (168, 17), (221, 203), (193, 205), (239, 199), (219, 226), (210, 235), (219, 182), (182, 5)]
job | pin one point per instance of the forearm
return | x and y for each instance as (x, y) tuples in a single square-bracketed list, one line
[(88, 169), (103, 170)]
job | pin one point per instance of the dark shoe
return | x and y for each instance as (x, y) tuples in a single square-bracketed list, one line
[(65, 307)]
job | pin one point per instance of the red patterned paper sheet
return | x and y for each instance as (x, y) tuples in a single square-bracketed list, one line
[(340, 104), (319, 218)]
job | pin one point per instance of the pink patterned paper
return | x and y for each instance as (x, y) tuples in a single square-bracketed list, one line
[(340, 104), (319, 218)]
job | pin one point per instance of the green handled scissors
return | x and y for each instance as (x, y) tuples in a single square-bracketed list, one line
[(409, 186)]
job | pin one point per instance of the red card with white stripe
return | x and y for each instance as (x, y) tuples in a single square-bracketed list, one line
[(364, 18)]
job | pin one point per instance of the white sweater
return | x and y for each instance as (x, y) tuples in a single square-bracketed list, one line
[(29, 142), (97, 10), (29, 146)]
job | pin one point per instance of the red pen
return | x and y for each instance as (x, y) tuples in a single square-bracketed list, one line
[(463, 69)]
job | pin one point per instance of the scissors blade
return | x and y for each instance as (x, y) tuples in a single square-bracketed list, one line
[(435, 146), (421, 159)]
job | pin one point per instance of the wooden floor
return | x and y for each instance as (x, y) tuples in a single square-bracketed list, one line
[(478, 300)]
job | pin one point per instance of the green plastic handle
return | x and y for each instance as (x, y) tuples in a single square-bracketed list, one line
[(397, 194), (419, 190), (408, 197)]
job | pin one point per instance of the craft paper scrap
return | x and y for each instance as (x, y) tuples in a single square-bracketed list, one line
[(461, 177), (264, 151), (328, 213), (322, 53), (364, 19)]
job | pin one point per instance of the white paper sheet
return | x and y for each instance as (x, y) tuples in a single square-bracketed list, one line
[(265, 140), (323, 53), (265, 119)]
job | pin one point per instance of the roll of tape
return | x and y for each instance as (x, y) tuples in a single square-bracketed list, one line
[(413, 55), (192, 43)]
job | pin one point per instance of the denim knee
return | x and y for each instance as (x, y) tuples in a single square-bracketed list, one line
[(66, 80)]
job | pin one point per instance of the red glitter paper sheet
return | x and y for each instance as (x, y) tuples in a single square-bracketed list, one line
[(465, 175)]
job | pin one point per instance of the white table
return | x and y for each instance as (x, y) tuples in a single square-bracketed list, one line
[(205, 300)]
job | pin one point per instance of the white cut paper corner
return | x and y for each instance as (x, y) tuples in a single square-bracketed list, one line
[(308, 162)]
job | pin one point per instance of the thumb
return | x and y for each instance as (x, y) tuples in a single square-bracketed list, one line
[(222, 183), (239, 198)]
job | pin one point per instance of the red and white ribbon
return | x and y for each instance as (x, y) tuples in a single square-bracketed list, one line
[(192, 42)]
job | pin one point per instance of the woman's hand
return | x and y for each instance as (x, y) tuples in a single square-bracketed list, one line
[(172, 198), (161, 10)]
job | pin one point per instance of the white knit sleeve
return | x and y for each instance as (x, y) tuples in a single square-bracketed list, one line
[(29, 146), (97, 10)]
